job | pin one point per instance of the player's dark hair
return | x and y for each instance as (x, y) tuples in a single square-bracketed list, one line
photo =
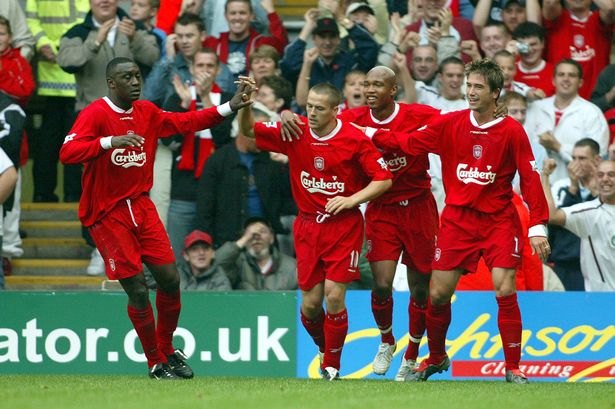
[(111, 65), (189, 18), (248, 2), (281, 88), (511, 96), (489, 70), (572, 62), (6, 23), (208, 50), (449, 61), (529, 29), (590, 143), (335, 96)]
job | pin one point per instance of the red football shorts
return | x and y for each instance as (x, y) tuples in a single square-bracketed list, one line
[(409, 226), (328, 248), (466, 235), (131, 234)]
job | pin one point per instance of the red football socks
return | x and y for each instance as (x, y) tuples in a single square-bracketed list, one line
[(168, 306), (509, 323), (437, 322), (316, 329), (143, 322), (416, 314), (383, 315), (336, 328)]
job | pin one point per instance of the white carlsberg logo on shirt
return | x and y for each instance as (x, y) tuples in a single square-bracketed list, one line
[(383, 164), (130, 159), (397, 163), (313, 185), (473, 175)]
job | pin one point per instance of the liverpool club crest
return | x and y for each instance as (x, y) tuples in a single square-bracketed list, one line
[(477, 151), (319, 163)]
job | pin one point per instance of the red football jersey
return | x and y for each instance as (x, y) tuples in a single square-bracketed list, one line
[(339, 164), (410, 177), (111, 175), (540, 77), (479, 162), (588, 42)]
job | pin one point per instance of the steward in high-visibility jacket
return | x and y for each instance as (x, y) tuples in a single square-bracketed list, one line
[(49, 20)]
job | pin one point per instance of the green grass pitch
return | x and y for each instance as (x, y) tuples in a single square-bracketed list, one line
[(116, 392)]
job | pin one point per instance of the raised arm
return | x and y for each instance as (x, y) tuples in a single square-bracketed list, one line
[(556, 216), (481, 15), (607, 10), (551, 9)]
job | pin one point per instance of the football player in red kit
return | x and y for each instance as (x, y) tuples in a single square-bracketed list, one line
[(333, 168), (480, 155), (115, 138)]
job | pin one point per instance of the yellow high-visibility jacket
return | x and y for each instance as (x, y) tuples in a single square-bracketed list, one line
[(49, 20)]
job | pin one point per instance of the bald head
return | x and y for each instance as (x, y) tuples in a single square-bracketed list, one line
[(384, 73)]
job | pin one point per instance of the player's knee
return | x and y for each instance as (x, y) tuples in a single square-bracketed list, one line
[(138, 296), (419, 292), (311, 308), (382, 288), (439, 295), (335, 302), (169, 284)]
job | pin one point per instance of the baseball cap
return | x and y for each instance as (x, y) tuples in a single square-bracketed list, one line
[(506, 3), (195, 237), (359, 6), (326, 25), (257, 219)]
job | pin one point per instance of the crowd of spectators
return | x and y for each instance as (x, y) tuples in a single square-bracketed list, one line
[(227, 206)]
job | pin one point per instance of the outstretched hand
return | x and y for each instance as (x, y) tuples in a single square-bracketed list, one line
[(246, 86)]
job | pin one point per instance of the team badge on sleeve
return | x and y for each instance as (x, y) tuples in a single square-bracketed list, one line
[(70, 137)]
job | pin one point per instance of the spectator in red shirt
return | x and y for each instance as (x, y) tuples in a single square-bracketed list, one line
[(580, 34), (16, 79), (234, 47)]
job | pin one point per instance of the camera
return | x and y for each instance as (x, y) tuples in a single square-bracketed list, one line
[(523, 48)]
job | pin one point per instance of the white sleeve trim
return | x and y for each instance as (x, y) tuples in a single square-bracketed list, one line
[(537, 231), (370, 132), (225, 109), (106, 142)]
